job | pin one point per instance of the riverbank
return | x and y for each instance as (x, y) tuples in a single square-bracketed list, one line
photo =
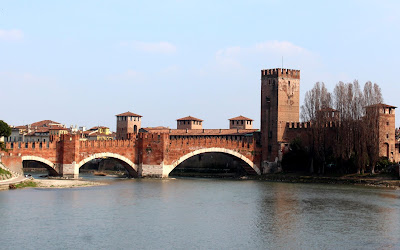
[(22, 182), (62, 183), (376, 180)]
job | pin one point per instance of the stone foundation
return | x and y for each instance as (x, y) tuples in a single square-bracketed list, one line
[(151, 171)]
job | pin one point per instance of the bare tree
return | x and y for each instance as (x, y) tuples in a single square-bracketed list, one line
[(355, 141), (317, 101)]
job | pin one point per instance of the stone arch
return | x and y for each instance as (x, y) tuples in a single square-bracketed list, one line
[(51, 167), (168, 169), (129, 165)]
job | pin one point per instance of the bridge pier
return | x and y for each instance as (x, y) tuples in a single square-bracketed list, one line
[(271, 167), (68, 170), (148, 170)]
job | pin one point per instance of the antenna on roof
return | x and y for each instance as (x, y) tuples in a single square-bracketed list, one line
[(282, 62)]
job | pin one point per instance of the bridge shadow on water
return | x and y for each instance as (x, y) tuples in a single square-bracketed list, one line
[(105, 167), (211, 165), (37, 168)]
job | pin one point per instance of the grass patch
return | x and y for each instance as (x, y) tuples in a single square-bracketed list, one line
[(4, 172), (26, 184)]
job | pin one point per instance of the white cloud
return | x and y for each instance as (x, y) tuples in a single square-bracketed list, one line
[(25, 80), (11, 35), (270, 51), (283, 47), (129, 76), (149, 47), (170, 69)]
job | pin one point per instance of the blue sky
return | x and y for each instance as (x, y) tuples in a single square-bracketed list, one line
[(83, 62)]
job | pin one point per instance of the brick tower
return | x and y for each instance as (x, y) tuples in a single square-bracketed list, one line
[(280, 95), (128, 124), (385, 116)]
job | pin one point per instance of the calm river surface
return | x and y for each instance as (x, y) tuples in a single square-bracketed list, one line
[(200, 214)]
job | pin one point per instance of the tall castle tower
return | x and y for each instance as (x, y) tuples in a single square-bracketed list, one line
[(280, 103), (385, 117), (128, 124)]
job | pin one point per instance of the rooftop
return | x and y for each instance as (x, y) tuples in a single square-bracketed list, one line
[(202, 132), (328, 110), (99, 127), (380, 105), (45, 123), (129, 114), (189, 118), (240, 118)]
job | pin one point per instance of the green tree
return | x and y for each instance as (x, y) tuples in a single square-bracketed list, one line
[(5, 131)]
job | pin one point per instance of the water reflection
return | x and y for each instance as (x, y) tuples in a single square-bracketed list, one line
[(200, 213), (318, 216)]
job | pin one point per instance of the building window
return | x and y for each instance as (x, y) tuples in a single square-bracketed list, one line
[(387, 135), (387, 123)]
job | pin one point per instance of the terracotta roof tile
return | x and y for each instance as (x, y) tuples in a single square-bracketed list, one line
[(21, 127), (202, 132), (189, 118), (96, 128), (380, 105), (240, 118), (129, 114), (43, 123), (328, 109)]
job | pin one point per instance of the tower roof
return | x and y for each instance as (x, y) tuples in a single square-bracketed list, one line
[(328, 110), (44, 123), (129, 114), (380, 105), (189, 118), (240, 118)]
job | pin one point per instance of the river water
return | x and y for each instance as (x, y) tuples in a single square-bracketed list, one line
[(200, 214)]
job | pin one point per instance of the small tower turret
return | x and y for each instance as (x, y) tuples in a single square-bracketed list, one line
[(240, 122), (189, 122), (128, 123)]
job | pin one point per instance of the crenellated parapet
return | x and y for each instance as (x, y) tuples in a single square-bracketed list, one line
[(309, 125), (31, 145), (221, 141), (298, 125), (279, 72), (107, 144)]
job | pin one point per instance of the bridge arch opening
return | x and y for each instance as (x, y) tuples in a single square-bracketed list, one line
[(213, 162), (109, 161), (32, 164)]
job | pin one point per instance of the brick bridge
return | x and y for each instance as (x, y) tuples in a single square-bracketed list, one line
[(147, 154)]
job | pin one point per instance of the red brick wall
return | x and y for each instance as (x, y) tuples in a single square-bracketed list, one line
[(147, 148)]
